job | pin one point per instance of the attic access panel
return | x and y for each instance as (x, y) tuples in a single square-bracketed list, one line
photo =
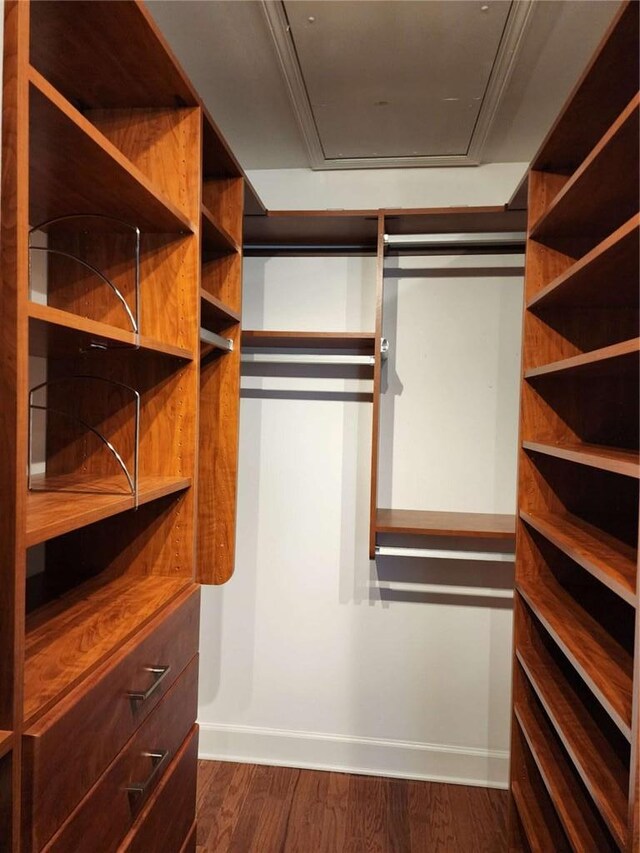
[(385, 83)]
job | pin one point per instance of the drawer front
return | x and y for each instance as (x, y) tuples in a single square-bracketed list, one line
[(112, 806), (78, 739), (164, 825)]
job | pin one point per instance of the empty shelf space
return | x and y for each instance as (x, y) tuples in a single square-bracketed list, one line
[(69, 637), (606, 277), (604, 665), (214, 314), (215, 238), (573, 808), (534, 822), (54, 333), (74, 168), (602, 192), (78, 503), (6, 742), (608, 559), (600, 768), (612, 459), (359, 342), (618, 358), (429, 523)]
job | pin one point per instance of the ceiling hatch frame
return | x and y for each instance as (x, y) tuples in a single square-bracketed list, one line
[(518, 19)]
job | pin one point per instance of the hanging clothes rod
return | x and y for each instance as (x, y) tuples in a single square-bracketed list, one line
[(319, 358), (446, 589), (498, 238), (445, 554), (207, 337)]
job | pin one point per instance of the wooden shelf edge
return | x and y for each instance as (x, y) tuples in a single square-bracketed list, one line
[(6, 742), (224, 240), (625, 462), (609, 244), (537, 229), (93, 507), (219, 308), (615, 566), (581, 829), (558, 627), (363, 342), (533, 821), (432, 523), (577, 735), (102, 332), (124, 604), (83, 125), (582, 363)]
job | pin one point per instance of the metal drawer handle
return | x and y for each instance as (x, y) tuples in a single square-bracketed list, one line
[(137, 790), (159, 673)]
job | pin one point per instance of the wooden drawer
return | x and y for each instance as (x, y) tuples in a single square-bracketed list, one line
[(167, 823), (105, 816), (69, 748)]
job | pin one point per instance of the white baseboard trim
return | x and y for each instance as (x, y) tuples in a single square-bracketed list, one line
[(313, 751)]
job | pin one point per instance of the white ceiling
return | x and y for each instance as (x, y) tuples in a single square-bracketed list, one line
[(380, 75)]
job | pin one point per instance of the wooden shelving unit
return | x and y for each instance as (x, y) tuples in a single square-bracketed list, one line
[(100, 124), (476, 525), (361, 343), (576, 677)]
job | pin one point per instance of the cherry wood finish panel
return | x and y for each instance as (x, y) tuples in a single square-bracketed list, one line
[(189, 845), (97, 179), (215, 237), (313, 227), (108, 812), (359, 342), (440, 220), (604, 458), (430, 523), (176, 795), (218, 160), (69, 638), (214, 314), (63, 743), (223, 198), (83, 49), (222, 278)]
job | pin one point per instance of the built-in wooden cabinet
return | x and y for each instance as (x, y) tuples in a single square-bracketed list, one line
[(121, 240), (576, 692)]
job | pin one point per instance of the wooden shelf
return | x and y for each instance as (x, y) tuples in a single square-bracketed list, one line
[(429, 523), (214, 237), (52, 513), (603, 773), (612, 562), (54, 334), (606, 277), (604, 665), (6, 742), (600, 195), (612, 459), (75, 169), (214, 314), (540, 836), (572, 806), (615, 359), (71, 636), (360, 342)]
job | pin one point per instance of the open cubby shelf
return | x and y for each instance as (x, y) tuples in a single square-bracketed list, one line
[(97, 179), (6, 742), (215, 238), (215, 314), (603, 278), (574, 810), (612, 459), (69, 637), (600, 195), (605, 666), (361, 342), (599, 766), (608, 559), (535, 821), (432, 523), (616, 359), (54, 333), (76, 503)]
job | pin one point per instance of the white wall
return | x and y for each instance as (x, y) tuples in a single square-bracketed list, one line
[(370, 189), (308, 655)]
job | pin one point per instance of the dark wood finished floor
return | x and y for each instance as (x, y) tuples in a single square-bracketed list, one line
[(245, 808)]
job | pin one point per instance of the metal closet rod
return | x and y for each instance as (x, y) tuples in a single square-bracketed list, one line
[(445, 554), (215, 340), (446, 589), (497, 238)]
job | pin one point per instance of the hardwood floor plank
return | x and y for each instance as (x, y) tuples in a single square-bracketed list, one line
[(222, 804)]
